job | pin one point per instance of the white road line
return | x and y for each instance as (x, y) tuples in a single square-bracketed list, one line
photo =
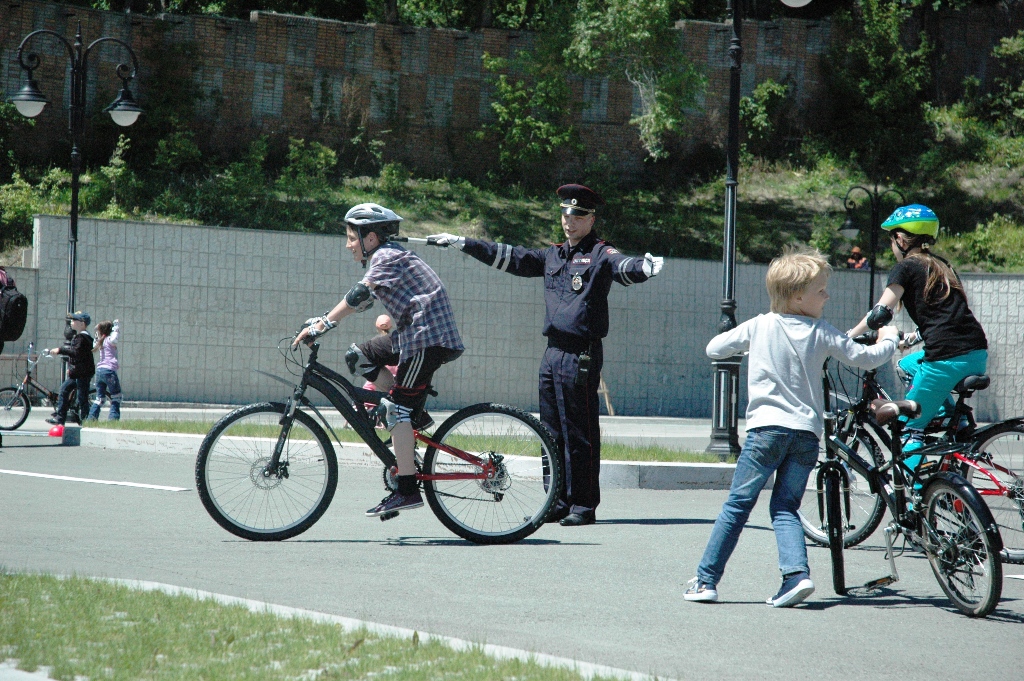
[(98, 482)]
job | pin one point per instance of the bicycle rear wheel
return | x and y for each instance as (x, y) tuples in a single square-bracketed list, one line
[(835, 521), (1001, 452), (865, 508), (234, 488), (527, 482), (965, 562), (14, 408)]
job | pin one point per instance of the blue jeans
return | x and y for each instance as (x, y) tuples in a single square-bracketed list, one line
[(64, 402), (791, 455), (107, 385)]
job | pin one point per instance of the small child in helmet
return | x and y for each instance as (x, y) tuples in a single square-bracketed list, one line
[(425, 335), (924, 283)]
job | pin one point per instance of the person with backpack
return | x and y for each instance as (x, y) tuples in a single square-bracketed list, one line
[(13, 309)]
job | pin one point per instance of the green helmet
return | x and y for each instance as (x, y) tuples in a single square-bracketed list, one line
[(915, 219)]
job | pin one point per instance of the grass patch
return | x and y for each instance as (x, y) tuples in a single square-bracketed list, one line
[(81, 627), (610, 451)]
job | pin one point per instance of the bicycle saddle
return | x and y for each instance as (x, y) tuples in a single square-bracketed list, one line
[(886, 410), (971, 383)]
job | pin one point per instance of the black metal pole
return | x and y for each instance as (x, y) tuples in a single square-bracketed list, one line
[(725, 413)]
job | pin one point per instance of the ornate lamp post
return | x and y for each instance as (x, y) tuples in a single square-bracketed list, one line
[(850, 229), (725, 403), (30, 102)]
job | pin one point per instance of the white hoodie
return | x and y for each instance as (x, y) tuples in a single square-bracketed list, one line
[(784, 377)]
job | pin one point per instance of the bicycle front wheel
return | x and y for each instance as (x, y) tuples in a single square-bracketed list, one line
[(14, 408), (835, 520), (236, 488), (1001, 453), (964, 561), (865, 508), (517, 499)]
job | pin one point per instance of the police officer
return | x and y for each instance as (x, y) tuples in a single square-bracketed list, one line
[(578, 275)]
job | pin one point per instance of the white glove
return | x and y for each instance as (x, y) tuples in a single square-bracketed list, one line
[(445, 240), (312, 324), (652, 264)]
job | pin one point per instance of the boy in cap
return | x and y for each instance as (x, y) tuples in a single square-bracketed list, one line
[(578, 275), (81, 368)]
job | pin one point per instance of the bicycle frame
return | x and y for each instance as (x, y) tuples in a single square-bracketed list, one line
[(30, 381), (349, 399)]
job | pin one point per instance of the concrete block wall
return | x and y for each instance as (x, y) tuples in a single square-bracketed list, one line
[(201, 307)]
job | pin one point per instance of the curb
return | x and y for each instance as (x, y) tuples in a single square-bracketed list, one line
[(614, 474), (587, 670)]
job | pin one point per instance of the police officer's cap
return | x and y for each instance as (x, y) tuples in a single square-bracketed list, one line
[(578, 200)]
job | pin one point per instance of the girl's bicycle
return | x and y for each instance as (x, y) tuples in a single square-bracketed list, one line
[(993, 461), (15, 404), (268, 471), (937, 512)]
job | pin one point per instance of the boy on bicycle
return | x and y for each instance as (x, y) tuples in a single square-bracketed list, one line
[(81, 369), (787, 348), (425, 335)]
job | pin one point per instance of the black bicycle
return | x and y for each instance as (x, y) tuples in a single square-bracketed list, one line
[(16, 400), (936, 511), (993, 463), (268, 471)]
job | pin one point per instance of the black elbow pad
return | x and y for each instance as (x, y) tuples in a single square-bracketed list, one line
[(359, 297), (879, 316)]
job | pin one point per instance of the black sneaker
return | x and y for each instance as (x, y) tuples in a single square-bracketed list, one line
[(795, 588), (396, 502), (422, 420), (55, 420)]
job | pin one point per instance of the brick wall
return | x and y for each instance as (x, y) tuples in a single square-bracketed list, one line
[(284, 75), (201, 307)]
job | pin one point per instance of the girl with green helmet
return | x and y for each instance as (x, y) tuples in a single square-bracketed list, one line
[(931, 292)]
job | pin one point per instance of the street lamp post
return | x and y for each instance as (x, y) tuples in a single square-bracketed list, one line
[(30, 102), (850, 229), (725, 403)]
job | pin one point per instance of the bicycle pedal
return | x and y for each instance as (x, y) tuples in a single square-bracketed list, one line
[(880, 582), (388, 516)]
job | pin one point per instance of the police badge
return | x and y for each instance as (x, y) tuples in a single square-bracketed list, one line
[(577, 282)]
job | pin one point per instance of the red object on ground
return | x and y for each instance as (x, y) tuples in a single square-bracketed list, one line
[(57, 431)]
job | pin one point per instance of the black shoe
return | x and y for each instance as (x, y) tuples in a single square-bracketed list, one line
[(577, 519), (558, 514), (422, 420), (55, 420)]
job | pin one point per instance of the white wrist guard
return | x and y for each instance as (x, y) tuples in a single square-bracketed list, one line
[(322, 319)]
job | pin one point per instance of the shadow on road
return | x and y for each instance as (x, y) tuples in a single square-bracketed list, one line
[(671, 521), (887, 599), (432, 541)]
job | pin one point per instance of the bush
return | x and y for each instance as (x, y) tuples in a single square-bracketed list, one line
[(996, 246)]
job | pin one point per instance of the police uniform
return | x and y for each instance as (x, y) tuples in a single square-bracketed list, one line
[(577, 280)]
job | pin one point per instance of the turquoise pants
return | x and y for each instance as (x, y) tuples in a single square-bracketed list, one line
[(931, 382), (931, 385)]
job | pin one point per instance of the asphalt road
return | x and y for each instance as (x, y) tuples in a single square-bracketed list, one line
[(610, 593)]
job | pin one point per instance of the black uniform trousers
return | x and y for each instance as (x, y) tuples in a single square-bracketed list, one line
[(571, 414)]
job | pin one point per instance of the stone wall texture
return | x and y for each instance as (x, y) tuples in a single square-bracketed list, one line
[(289, 76), (200, 307)]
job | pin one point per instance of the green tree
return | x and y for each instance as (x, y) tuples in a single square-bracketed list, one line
[(638, 41), (876, 86)]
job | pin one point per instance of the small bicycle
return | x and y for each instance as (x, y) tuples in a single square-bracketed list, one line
[(15, 404), (937, 511), (268, 471)]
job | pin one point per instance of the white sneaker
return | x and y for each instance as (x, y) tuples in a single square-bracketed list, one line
[(699, 592)]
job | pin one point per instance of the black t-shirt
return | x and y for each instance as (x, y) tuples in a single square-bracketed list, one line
[(947, 325)]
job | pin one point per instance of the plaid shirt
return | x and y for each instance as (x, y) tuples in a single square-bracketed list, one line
[(415, 298)]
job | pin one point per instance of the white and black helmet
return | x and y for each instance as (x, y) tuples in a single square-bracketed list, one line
[(371, 217)]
